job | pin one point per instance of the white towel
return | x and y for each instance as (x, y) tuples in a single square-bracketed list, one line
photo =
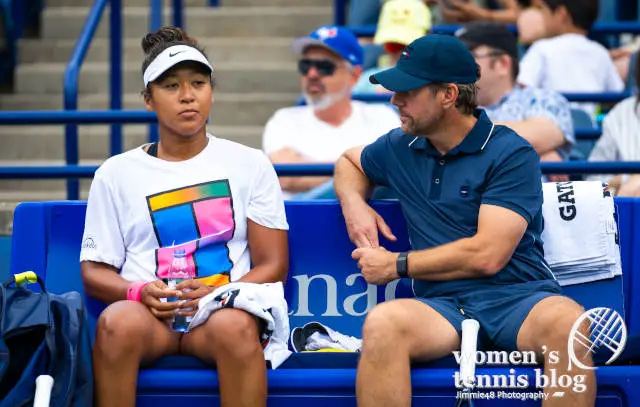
[(265, 301), (580, 231)]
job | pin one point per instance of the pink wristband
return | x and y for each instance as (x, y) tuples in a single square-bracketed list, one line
[(135, 289)]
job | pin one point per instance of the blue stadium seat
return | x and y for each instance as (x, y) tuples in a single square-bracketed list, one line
[(582, 148), (324, 285)]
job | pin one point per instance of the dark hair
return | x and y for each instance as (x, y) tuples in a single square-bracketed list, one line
[(584, 13), (515, 62), (155, 42)]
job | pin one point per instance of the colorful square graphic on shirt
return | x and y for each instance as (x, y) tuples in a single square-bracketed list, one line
[(198, 219)]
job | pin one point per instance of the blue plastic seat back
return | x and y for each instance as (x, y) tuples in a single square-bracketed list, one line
[(29, 240), (582, 148), (324, 283)]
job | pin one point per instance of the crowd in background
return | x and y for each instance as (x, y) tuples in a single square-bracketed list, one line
[(523, 79)]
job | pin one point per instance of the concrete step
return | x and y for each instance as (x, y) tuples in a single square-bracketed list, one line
[(136, 3), (200, 3), (12, 192), (218, 50), (47, 142), (248, 109), (200, 22), (94, 78)]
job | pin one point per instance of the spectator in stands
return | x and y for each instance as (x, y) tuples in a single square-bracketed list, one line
[(471, 192), (135, 219), (620, 142), (331, 122), (568, 61), (540, 116), (463, 11), (530, 24), (401, 22)]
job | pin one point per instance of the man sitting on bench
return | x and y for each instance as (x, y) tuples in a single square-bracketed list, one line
[(472, 197)]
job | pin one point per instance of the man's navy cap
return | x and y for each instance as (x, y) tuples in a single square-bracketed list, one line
[(432, 58), (336, 39)]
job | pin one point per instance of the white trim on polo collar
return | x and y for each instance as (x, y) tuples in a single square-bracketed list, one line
[(170, 57)]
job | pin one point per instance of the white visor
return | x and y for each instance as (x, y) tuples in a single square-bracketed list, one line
[(169, 58)]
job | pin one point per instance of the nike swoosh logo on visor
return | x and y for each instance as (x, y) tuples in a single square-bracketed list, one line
[(173, 55)]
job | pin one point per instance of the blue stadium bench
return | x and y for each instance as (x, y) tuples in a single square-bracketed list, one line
[(324, 285)]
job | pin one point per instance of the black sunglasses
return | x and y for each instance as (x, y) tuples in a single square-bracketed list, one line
[(325, 67)]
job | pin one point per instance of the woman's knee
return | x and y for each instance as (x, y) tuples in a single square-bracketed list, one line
[(233, 332), (121, 327)]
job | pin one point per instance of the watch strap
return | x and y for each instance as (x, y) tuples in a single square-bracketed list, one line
[(402, 266)]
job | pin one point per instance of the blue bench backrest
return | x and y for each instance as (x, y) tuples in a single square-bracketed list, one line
[(324, 283)]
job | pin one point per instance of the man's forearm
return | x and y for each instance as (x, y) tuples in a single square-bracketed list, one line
[(502, 16), (350, 181), (462, 259)]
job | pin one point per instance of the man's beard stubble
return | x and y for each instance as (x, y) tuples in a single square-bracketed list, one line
[(424, 127)]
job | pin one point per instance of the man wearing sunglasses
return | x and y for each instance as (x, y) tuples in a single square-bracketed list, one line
[(329, 65)]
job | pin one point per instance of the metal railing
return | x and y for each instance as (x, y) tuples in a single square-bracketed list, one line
[(116, 117), (601, 27), (605, 97), (87, 171), (75, 118), (72, 73), (618, 27), (156, 14), (71, 119)]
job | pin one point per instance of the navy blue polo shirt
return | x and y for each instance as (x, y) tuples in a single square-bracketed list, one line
[(441, 194)]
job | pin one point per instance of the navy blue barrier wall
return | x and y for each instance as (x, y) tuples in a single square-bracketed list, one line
[(324, 285)]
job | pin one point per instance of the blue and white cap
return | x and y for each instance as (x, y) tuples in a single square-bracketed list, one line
[(339, 40)]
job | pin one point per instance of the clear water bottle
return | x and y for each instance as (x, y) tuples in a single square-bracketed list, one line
[(179, 271)]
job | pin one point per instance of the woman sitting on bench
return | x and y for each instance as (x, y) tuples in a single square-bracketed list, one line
[(212, 206)]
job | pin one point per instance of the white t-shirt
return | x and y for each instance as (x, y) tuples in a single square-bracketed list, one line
[(570, 63), (620, 140), (299, 129), (141, 208)]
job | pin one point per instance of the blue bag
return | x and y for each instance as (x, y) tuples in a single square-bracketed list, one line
[(43, 334)]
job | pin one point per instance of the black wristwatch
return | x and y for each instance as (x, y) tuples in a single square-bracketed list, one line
[(402, 266)]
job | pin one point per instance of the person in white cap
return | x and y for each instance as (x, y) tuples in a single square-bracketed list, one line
[(330, 64), (216, 203)]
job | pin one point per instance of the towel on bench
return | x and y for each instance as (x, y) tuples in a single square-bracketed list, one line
[(314, 336), (580, 232), (265, 301)]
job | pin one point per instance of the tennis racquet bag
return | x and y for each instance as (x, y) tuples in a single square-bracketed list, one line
[(43, 334)]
